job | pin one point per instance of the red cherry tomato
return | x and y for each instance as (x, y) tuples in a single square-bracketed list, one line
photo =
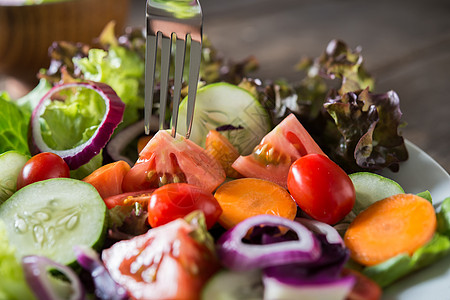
[(176, 200), (321, 188), (42, 166)]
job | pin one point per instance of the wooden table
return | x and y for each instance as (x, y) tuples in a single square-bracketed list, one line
[(406, 46)]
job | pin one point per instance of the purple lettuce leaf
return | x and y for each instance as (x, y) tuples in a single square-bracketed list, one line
[(369, 126)]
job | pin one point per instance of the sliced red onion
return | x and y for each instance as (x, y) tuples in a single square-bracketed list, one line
[(36, 270), (330, 232), (105, 287), (238, 256), (83, 153), (333, 290)]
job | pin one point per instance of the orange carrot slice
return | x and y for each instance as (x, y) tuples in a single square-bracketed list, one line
[(219, 147), (398, 224), (246, 197), (108, 178)]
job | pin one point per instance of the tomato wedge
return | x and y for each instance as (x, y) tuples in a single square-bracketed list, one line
[(272, 158), (167, 160), (165, 263), (130, 198)]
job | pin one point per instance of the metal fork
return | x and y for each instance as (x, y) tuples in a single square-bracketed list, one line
[(172, 19)]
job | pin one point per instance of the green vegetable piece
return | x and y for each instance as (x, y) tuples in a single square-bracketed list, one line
[(426, 195), (12, 283), (123, 70), (50, 217), (227, 285), (395, 268), (31, 100), (13, 126), (221, 105), (370, 188), (80, 114), (88, 168), (11, 162), (443, 218), (387, 272)]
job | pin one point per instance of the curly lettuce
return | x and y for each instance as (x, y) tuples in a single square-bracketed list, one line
[(368, 124), (121, 69), (360, 134)]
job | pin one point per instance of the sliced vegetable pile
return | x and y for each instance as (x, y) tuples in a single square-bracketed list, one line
[(258, 204)]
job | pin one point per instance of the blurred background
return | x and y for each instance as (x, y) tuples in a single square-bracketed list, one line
[(405, 45)]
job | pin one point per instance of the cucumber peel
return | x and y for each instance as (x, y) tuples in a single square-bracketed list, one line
[(370, 188), (11, 163), (50, 217), (222, 104)]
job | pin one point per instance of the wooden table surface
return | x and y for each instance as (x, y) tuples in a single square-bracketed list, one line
[(406, 47)]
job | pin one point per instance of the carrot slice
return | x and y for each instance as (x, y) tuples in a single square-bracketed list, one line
[(108, 178), (219, 147), (246, 197), (398, 224), (142, 142)]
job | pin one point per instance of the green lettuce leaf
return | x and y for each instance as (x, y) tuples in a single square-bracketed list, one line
[(123, 70), (12, 283), (28, 102), (13, 126), (443, 218), (426, 195), (80, 114), (395, 268)]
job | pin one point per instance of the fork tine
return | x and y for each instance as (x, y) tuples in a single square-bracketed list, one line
[(152, 43), (194, 69), (178, 77), (166, 45)]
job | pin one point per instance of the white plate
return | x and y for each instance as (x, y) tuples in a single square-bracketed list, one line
[(419, 173)]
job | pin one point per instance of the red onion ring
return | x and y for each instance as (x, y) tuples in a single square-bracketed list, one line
[(36, 270), (330, 232), (83, 153), (238, 256)]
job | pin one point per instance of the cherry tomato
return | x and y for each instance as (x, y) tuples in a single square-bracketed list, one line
[(42, 166), (321, 188), (176, 200)]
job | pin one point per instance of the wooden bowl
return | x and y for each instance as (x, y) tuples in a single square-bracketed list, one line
[(27, 31)]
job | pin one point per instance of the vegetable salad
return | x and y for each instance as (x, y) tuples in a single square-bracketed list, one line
[(277, 199)]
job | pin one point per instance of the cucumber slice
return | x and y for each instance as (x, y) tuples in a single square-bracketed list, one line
[(370, 188), (11, 163), (50, 217), (229, 285), (222, 104)]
